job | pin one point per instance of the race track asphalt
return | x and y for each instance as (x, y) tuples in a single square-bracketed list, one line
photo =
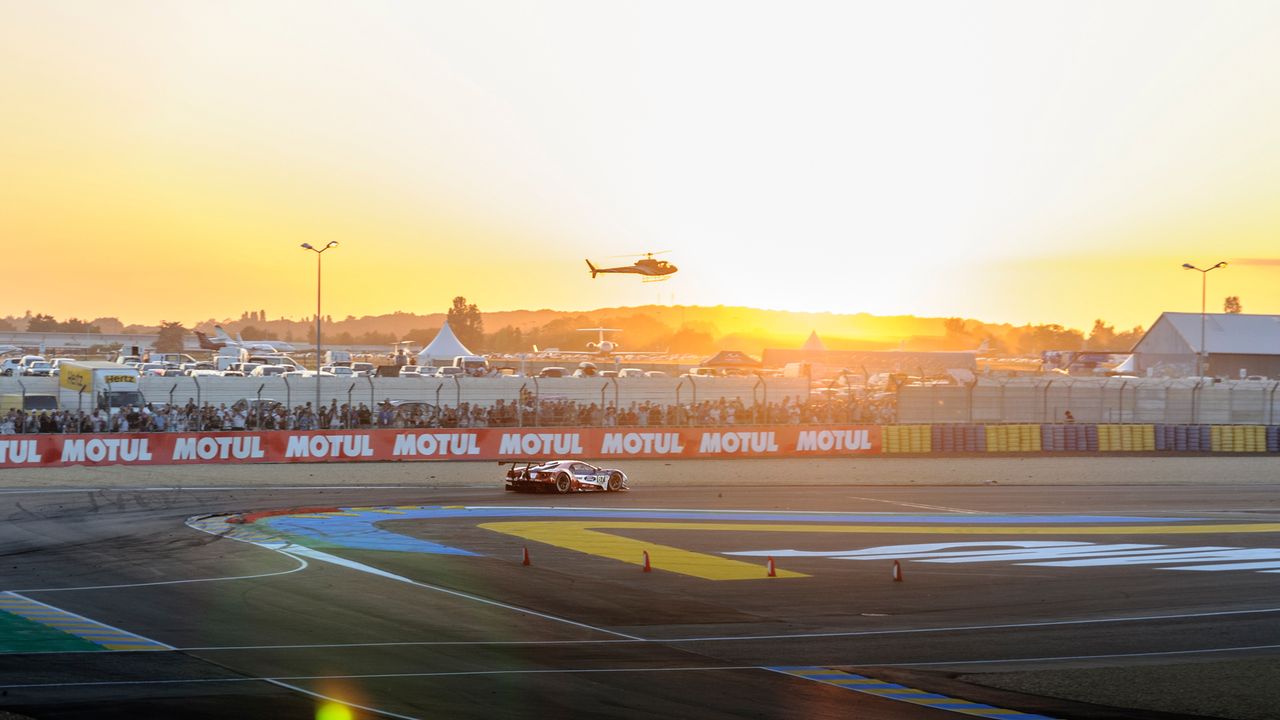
[(346, 606)]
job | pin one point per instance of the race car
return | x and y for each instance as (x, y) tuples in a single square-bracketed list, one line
[(562, 476)]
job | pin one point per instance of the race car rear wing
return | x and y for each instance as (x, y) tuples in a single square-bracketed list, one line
[(520, 462)]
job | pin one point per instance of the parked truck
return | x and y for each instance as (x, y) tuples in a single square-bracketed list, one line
[(106, 385)]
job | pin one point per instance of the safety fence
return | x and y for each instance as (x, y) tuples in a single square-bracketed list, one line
[(1049, 399), (451, 392)]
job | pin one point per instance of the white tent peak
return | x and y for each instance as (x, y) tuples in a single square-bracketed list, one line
[(814, 342), (443, 348)]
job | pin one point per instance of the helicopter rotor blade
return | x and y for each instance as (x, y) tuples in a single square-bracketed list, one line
[(643, 254)]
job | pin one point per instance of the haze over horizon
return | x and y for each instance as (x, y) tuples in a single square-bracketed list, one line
[(1002, 161)]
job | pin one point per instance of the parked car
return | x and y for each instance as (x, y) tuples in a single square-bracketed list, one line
[(450, 371), (39, 368), (151, 369), (362, 369), (413, 371), (552, 372), (269, 370), (406, 409), (338, 370), (630, 372)]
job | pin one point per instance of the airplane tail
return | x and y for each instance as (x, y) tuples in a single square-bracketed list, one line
[(221, 334), (593, 270), (205, 343)]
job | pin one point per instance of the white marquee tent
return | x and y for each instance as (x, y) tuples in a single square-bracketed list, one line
[(442, 349)]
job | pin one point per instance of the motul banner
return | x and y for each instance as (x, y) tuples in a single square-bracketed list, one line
[(461, 444)]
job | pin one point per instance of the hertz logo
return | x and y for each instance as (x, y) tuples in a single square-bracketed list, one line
[(118, 379)]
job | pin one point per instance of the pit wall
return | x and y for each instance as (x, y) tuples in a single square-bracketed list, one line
[(25, 451)]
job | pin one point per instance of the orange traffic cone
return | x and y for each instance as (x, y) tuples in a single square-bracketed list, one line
[(646, 562), (897, 571), (773, 571), (525, 560)]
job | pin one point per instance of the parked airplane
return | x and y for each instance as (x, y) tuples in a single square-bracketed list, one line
[(221, 339), (599, 348), (6, 349)]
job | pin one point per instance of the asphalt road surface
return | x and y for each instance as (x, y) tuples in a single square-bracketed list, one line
[(1056, 600)]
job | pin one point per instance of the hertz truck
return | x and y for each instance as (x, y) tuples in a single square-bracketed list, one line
[(109, 385)]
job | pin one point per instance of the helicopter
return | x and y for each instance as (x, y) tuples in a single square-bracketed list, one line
[(653, 270)]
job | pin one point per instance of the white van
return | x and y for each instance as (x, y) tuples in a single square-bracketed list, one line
[(474, 365)]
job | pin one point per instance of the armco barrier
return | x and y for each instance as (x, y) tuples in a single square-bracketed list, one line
[(474, 444), (18, 451)]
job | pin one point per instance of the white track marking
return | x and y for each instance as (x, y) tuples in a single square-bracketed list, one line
[(738, 638), (326, 557), (386, 713), (302, 565), (943, 508), (383, 676), (215, 488), (1241, 648)]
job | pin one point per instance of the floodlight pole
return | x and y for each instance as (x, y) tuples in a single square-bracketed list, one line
[(319, 252), (1204, 286)]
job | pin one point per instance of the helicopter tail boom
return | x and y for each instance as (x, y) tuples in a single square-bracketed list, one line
[(593, 270)]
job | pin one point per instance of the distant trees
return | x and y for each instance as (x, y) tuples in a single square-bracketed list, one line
[(467, 323), (1104, 338), (47, 323), (1232, 305), (171, 338), (253, 332)]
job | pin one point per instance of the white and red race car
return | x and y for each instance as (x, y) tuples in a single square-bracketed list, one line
[(562, 476)]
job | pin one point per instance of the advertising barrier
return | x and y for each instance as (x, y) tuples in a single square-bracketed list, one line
[(18, 451)]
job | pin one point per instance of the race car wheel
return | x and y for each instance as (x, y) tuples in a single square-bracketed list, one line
[(563, 483), (615, 482)]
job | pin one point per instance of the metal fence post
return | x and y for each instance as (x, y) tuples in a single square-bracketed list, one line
[(1271, 403), (347, 419), (1123, 385), (373, 400), (537, 403), (457, 389), (199, 404), (1195, 402), (520, 405), (258, 406), (603, 388), (288, 394)]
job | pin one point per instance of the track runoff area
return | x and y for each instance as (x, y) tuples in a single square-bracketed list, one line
[(685, 600)]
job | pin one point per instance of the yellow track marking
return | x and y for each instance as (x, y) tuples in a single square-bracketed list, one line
[(592, 537)]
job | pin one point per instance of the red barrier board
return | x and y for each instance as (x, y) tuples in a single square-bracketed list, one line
[(461, 444)]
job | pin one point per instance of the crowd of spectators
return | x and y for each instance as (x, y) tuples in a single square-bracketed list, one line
[(528, 412)]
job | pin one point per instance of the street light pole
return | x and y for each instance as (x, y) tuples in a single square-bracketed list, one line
[(1204, 286), (319, 252)]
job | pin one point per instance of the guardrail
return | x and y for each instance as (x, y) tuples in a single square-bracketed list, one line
[(53, 450)]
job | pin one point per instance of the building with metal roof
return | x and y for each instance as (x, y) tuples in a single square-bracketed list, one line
[(1235, 345)]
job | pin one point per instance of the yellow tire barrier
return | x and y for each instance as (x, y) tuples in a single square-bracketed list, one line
[(1126, 438), (1238, 438), (1013, 438), (916, 439)]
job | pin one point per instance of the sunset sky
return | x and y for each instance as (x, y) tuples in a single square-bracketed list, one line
[(1007, 161)]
